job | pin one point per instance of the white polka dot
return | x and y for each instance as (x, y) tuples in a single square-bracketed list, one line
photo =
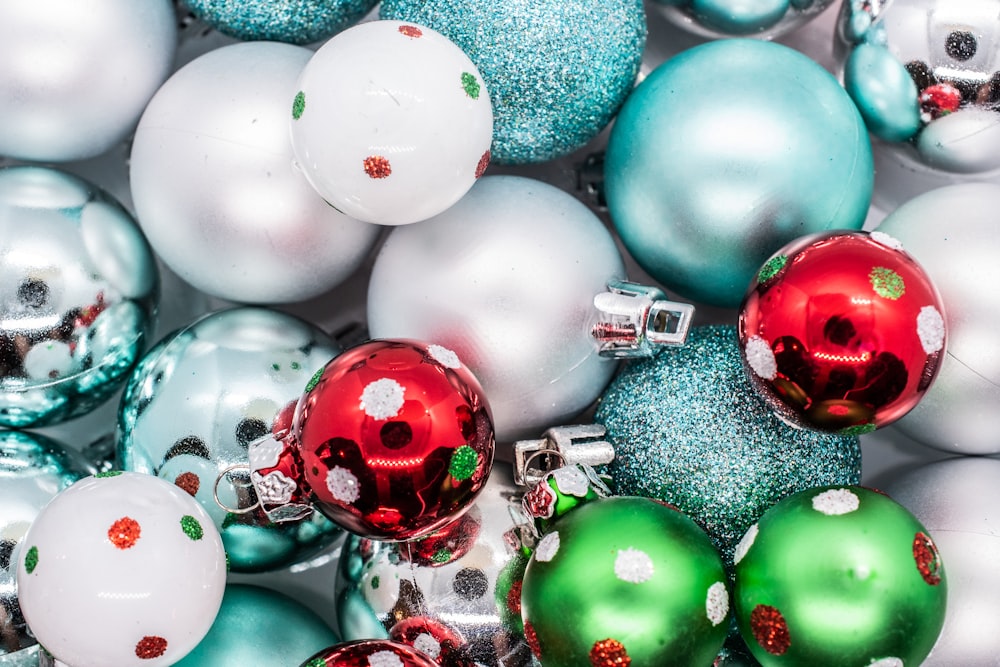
[(886, 662), (717, 603), (274, 488), (547, 547), (426, 643), (343, 485), (761, 359), (265, 453), (571, 480), (835, 502), (384, 659), (382, 399), (930, 329), (444, 356), (633, 566), (886, 240), (743, 546)]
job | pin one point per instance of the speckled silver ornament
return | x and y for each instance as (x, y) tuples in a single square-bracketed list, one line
[(689, 429), (292, 21), (557, 70)]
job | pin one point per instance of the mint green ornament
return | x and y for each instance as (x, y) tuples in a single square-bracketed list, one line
[(839, 575), (625, 578)]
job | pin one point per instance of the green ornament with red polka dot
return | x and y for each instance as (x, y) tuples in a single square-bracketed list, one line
[(622, 581), (839, 575), (560, 491)]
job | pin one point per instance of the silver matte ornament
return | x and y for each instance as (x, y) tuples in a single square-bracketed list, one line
[(506, 278), (77, 75), (217, 191), (952, 232)]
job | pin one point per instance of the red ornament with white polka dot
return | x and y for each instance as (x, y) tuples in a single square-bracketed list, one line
[(392, 440), (121, 569), (842, 332), (370, 653)]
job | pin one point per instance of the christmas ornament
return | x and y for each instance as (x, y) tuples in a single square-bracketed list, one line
[(451, 594), (958, 413), (842, 331), (923, 74), (958, 501), (259, 626), (370, 653), (121, 568), (702, 192), (200, 397), (212, 176), (399, 137), (560, 491), (294, 21), (689, 429), (78, 288), (506, 278), (77, 76), (625, 580), (734, 18), (391, 440), (32, 470), (557, 72), (839, 575)]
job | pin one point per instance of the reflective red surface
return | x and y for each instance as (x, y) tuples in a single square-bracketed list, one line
[(371, 653)]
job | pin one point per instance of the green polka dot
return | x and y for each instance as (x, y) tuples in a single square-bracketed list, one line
[(771, 268), (857, 429), (108, 473), (470, 85), (295, 365), (191, 527), (298, 105), (31, 560), (463, 463), (314, 380), (276, 367), (887, 283), (441, 556), (315, 662), (375, 583)]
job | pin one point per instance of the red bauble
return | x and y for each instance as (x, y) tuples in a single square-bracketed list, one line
[(842, 331), (391, 440), (370, 653)]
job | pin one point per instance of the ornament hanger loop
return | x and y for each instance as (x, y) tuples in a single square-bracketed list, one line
[(583, 443), (240, 487)]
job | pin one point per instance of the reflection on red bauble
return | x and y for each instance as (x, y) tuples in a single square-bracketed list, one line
[(842, 331), (370, 653)]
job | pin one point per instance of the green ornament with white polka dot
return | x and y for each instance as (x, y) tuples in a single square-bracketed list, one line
[(621, 579), (839, 575)]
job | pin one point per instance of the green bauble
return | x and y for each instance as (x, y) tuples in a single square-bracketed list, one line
[(839, 575), (625, 576)]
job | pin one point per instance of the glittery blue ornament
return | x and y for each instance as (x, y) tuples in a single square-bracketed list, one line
[(259, 626), (689, 429), (557, 70), (292, 21), (727, 152)]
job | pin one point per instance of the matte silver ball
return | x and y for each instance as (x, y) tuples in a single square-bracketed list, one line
[(77, 75), (952, 233), (506, 278), (216, 188), (958, 500)]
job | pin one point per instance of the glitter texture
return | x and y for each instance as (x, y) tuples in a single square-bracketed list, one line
[(887, 283), (382, 399), (717, 603), (425, 642), (150, 647), (689, 429), (743, 546), (770, 629), (470, 85), (609, 653), (384, 659), (124, 532), (343, 485), (192, 528), (315, 662), (836, 502), (547, 547), (188, 482), (377, 166), (107, 473), (291, 21), (886, 662), (930, 329), (771, 268), (444, 356), (633, 566), (274, 488), (298, 106), (556, 72), (411, 31), (484, 162), (31, 560), (886, 240), (571, 481), (760, 358), (928, 559), (531, 637), (314, 380), (540, 501), (464, 462)]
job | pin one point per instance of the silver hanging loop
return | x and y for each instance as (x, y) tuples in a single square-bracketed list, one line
[(582, 443), (248, 485), (636, 320)]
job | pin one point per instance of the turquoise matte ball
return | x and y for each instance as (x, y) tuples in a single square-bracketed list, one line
[(883, 91), (744, 17), (725, 153)]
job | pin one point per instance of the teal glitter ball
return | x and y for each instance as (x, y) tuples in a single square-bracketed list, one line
[(557, 70), (291, 21), (725, 153), (689, 429)]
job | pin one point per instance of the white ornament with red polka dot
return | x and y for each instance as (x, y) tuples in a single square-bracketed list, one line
[(392, 122), (121, 569)]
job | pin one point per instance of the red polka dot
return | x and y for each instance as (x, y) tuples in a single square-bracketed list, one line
[(609, 653), (124, 532), (150, 647), (928, 559), (484, 162), (532, 639), (411, 31), (770, 629), (377, 166), (514, 598), (189, 482)]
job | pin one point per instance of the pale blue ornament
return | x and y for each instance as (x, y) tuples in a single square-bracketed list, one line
[(884, 92), (725, 153)]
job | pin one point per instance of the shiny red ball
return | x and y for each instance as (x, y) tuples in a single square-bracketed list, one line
[(391, 440), (842, 332), (370, 653)]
